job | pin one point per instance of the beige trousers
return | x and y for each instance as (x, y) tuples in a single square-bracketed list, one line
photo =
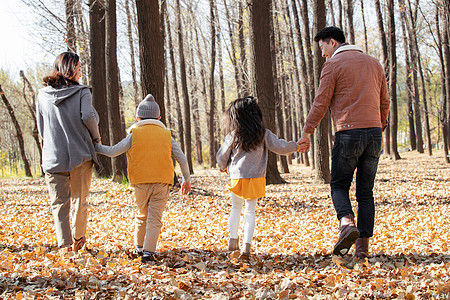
[(68, 193), (151, 199)]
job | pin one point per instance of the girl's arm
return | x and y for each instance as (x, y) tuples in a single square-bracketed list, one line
[(279, 146), (119, 148), (223, 155)]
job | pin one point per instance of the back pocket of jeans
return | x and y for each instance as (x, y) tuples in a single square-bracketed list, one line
[(376, 146), (349, 146)]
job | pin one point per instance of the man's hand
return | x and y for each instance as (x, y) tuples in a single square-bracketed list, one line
[(304, 144), (185, 187)]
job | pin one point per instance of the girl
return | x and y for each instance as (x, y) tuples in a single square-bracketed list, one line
[(68, 125), (243, 156)]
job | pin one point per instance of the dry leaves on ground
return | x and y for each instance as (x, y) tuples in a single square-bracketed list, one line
[(296, 230)]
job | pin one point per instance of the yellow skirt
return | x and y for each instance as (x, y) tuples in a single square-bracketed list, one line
[(248, 188)]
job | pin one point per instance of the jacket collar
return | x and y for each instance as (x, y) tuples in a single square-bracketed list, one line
[(146, 122), (346, 48)]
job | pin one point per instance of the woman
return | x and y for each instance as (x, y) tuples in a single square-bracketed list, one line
[(68, 125)]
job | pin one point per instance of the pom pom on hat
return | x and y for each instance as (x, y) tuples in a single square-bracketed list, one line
[(148, 108)]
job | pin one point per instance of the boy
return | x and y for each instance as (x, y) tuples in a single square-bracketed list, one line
[(150, 149)]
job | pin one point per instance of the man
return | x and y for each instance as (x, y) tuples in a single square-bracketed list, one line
[(353, 86)]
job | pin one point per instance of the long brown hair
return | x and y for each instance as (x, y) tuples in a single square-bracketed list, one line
[(64, 70), (243, 118)]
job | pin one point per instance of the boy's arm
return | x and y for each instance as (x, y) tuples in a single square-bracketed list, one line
[(279, 146), (182, 160), (119, 148)]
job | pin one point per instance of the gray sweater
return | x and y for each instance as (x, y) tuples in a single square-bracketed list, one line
[(242, 164), (68, 124), (125, 145)]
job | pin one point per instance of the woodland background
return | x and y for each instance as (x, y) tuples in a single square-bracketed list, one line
[(197, 56)]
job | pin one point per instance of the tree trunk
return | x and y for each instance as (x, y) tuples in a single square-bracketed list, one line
[(444, 116), (306, 93), (221, 75), (71, 39), (446, 55), (136, 96), (393, 115), (243, 63), (330, 5), (322, 154), (194, 90), (298, 116), (340, 14), (32, 109), (418, 64), (417, 110), (204, 93), (212, 92), (187, 108), (19, 134), (82, 38), (274, 47), (409, 87), (260, 13), (233, 52), (98, 75), (175, 86), (116, 131), (151, 45), (351, 30), (384, 48), (366, 46), (308, 53)]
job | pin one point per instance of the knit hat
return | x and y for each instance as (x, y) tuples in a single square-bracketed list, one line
[(148, 108)]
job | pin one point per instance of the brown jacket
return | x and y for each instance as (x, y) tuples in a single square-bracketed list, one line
[(353, 86)]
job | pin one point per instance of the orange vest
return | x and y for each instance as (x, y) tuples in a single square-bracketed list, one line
[(150, 155)]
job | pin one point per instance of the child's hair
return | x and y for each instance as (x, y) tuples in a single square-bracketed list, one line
[(243, 118), (64, 70)]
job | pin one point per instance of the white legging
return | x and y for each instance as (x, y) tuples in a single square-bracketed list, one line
[(249, 218)]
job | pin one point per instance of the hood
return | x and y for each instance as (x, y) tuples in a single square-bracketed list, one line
[(58, 95)]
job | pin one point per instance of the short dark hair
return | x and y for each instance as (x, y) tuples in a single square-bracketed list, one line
[(330, 32)]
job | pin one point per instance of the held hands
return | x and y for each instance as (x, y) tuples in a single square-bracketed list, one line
[(304, 144), (186, 188)]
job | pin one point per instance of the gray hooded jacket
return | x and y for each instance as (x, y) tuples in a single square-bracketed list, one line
[(68, 125), (253, 164)]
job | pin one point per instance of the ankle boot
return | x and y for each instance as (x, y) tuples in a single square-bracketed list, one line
[(233, 245), (349, 234), (246, 251), (362, 247)]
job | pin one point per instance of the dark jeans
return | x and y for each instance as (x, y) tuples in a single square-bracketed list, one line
[(355, 149)]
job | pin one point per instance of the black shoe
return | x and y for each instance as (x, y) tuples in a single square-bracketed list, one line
[(148, 256), (138, 252)]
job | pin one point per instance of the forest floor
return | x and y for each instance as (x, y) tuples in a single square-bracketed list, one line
[(295, 233)]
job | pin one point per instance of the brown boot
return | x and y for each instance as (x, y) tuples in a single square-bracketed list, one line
[(79, 244), (349, 234), (362, 247), (246, 252), (233, 245)]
